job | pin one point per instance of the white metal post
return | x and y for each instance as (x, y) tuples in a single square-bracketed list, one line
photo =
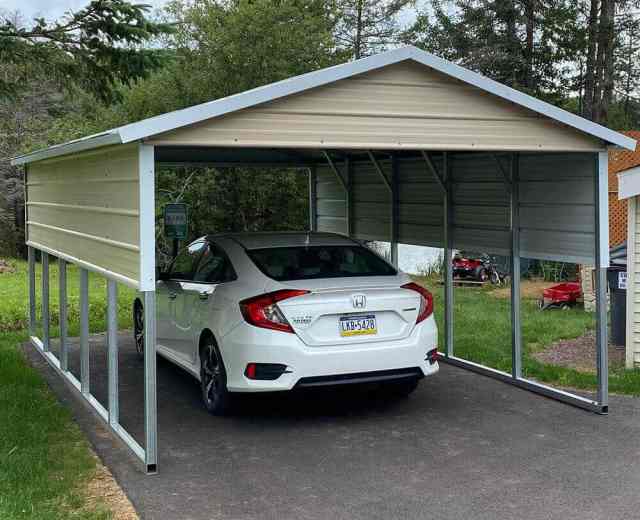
[(112, 350), (313, 200), (85, 384), (62, 299), (448, 248), (46, 321), (602, 263), (150, 403), (516, 326), (32, 290)]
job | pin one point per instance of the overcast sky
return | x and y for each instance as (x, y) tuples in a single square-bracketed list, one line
[(52, 9)]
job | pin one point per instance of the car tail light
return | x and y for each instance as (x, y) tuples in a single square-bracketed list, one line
[(432, 356), (426, 300), (263, 311)]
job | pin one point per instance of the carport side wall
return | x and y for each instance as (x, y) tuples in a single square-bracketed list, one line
[(556, 203), (85, 208)]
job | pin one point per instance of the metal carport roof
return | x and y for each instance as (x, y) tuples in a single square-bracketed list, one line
[(92, 201)]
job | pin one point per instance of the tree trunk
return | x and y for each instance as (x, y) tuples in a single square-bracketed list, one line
[(590, 73), (529, 13), (358, 41), (608, 71)]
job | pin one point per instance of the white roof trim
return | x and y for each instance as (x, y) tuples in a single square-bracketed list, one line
[(188, 116), (629, 183)]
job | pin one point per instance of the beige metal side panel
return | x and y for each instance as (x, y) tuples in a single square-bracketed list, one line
[(406, 105), (85, 208)]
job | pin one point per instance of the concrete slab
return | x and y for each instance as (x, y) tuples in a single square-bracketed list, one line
[(462, 446)]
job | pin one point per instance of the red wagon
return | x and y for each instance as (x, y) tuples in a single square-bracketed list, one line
[(562, 296)]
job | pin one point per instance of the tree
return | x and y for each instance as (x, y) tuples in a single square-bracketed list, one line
[(97, 48), (366, 27)]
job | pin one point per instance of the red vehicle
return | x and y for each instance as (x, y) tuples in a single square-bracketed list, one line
[(562, 296), (477, 266)]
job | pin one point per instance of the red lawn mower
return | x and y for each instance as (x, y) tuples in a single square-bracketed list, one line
[(479, 267)]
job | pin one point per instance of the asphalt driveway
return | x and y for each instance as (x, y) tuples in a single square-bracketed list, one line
[(463, 446)]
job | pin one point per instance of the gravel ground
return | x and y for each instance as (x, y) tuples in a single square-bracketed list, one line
[(579, 353)]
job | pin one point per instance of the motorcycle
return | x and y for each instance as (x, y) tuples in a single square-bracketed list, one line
[(477, 266)]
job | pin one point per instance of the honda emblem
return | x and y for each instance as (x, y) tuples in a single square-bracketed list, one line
[(359, 301)]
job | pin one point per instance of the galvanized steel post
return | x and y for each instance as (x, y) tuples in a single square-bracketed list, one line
[(85, 385), (394, 210), (150, 404), (62, 302), (32, 290), (313, 200), (516, 328), (602, 263), (46, 322), (112, 351), (448, 248)]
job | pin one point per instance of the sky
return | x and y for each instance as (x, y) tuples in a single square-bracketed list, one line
[(52, 9)]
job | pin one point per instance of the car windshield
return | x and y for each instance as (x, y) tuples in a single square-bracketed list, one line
[(304, 263)]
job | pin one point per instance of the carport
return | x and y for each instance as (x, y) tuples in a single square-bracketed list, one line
[(401, 147)]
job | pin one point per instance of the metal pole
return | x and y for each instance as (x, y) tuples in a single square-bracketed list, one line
[(394, 210), (85, 386), (150, 404), (349, 195), (313, 200), (112, 350), (516, 326), (46, 336), (31, 253), (602, 263), (62, 298), (448, 247)]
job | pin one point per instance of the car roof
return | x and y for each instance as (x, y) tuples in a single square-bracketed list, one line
[(262, 240)]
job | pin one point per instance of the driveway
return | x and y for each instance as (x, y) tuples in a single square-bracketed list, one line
[(463, 446)]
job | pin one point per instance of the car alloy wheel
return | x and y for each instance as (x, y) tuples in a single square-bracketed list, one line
[(138, 327), (213, 380)]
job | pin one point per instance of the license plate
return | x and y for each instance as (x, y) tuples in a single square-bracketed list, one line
[(358, 325)]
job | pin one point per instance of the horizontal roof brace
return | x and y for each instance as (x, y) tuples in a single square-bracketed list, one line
[(378, 168), (432, 168)]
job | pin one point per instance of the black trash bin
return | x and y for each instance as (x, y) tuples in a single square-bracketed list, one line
[(617, 279)]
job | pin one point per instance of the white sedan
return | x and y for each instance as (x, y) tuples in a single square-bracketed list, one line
[(256, 312)]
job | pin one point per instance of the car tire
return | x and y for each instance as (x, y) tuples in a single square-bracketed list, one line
[(138, 327), (400, 389), (213, 379)]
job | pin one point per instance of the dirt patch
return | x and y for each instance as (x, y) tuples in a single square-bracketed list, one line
[(6, 267), (529, 289), (103, 491), (579, 354)]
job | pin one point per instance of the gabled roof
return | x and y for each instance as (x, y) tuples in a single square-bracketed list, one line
[(621, 160), (188, 116)]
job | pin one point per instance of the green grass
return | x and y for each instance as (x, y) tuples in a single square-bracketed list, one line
[(482, 333), (45, 460)]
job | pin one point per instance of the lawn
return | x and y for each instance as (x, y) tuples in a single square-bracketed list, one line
[(45, 460), (482, 333)]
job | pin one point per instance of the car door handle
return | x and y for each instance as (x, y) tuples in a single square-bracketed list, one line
[(203, 296), (172, 296)]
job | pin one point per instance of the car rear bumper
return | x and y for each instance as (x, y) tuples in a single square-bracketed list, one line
[(327, 365)]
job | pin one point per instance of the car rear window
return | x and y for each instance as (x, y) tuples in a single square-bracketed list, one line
[(304, 263)]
